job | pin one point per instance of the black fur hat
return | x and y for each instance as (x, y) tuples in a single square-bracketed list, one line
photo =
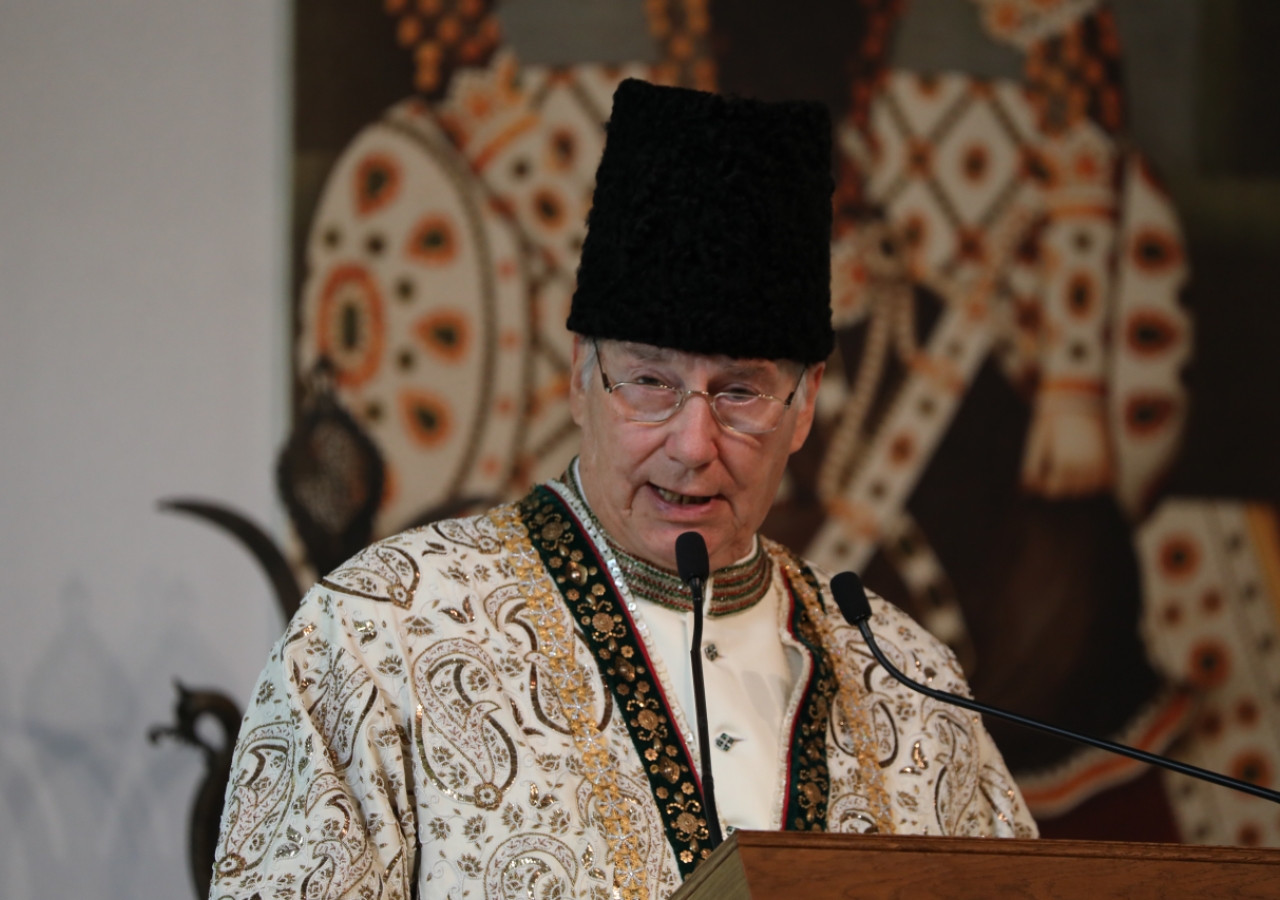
[(710, 230)]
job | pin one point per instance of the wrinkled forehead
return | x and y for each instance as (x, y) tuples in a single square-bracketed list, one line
[(628, 352)]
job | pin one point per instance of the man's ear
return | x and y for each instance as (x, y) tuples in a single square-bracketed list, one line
[(577, 397), (804, 413)]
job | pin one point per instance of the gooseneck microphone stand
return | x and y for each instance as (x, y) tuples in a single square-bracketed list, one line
[(694, 567), (851, 598)]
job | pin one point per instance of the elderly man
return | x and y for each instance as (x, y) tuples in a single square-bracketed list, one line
[(501, 706)]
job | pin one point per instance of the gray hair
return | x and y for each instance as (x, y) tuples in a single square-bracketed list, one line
[(590, 359)]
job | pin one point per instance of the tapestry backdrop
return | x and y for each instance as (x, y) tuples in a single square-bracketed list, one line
[(1026, 438)]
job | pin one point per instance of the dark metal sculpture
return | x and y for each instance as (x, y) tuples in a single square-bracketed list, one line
[(254, 539), (206, 811), (330, 477)]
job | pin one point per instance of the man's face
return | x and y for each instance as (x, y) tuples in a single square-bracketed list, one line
[(648, 483)]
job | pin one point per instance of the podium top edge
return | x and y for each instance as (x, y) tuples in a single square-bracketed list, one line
[(792, 840)]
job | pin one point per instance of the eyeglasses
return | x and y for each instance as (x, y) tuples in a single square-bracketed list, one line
[(737, 410)]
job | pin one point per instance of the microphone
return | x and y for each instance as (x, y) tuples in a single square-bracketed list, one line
[(694, 567), (851, 598)]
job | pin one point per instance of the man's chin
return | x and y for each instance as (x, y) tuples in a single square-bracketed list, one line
[(658, 539)]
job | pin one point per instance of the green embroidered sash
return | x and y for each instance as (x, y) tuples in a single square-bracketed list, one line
[(808, 780)]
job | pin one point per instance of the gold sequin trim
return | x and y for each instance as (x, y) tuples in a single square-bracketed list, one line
[(571, 681), (857, 726)]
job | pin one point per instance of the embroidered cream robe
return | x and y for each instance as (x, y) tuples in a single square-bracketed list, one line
[(468, 710)]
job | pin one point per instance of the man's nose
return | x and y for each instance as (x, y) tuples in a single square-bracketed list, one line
[(694, 429)]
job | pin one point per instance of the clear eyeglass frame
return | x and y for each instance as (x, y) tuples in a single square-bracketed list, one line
[(737, 411)]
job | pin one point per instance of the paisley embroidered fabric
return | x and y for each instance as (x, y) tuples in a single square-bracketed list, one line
[(438, 720)]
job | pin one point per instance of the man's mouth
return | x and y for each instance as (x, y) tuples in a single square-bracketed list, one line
[(680, 499)]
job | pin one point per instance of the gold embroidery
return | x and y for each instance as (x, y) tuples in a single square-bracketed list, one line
[(608, 635), (850, 695), (555, 634)]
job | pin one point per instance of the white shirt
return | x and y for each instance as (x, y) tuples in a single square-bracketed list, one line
[(749, 687)]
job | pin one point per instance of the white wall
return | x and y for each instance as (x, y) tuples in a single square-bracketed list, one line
[(143, 187)]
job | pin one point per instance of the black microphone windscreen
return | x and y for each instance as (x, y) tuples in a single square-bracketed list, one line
[(691, 557), (851, 597)]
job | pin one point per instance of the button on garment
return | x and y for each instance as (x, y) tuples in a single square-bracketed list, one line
[(749, 675)]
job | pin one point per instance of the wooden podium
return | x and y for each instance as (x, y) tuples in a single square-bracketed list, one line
[(764, 865)]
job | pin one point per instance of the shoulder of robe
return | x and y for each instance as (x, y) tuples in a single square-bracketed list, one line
[(416, 572), (894, 627)]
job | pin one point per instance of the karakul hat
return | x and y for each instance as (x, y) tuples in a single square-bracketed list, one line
[(710, 228)]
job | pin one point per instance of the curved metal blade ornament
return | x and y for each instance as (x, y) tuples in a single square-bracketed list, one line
[(206, 811)]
